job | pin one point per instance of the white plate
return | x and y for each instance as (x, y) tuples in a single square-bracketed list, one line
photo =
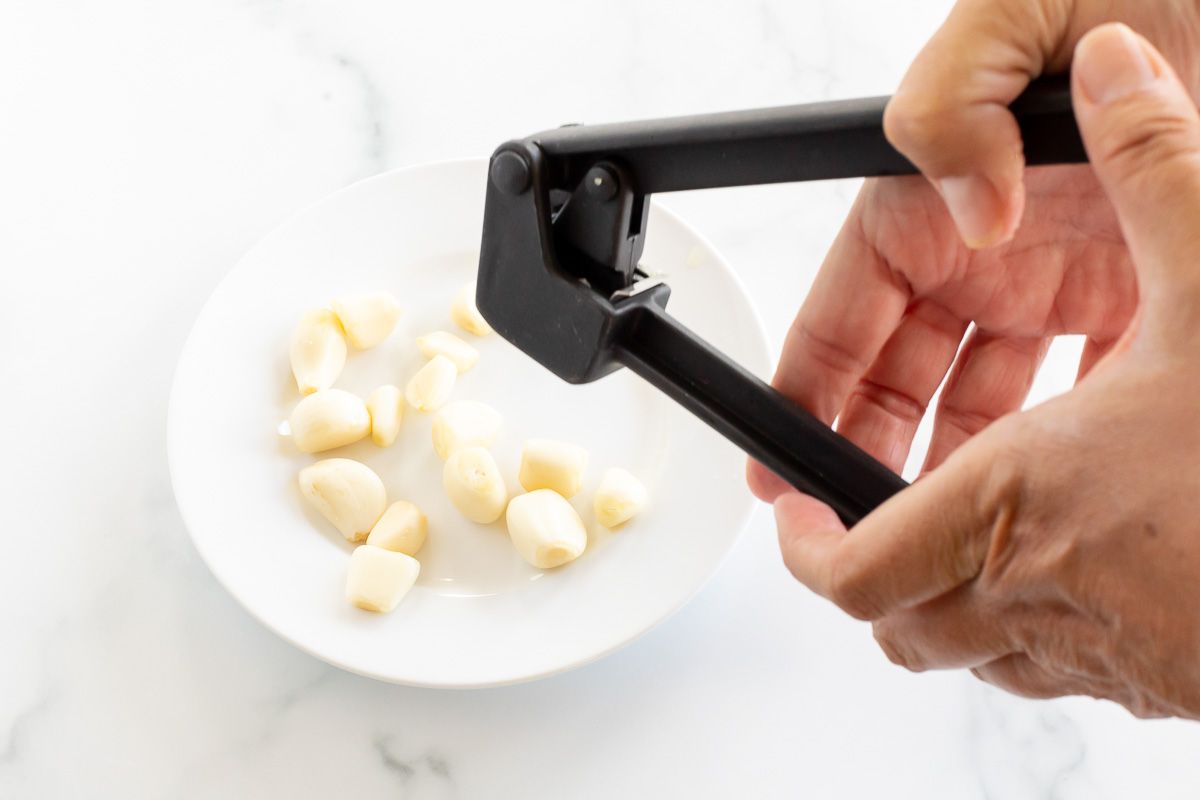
[(478, 615)]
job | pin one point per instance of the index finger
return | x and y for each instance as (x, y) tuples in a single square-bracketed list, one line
[(920, 544), (854, 305), (853, 308)]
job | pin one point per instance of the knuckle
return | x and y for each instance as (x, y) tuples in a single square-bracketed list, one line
[(831, 353), (964, 419), (1000, 498), (1143, 707), (1019, 675), (1008, 467), (1026, 631), (893, 401), (896, 647), (913, 121), (1004, 482), (849, 589)]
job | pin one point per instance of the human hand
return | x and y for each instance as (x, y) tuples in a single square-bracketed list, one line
[(885, 317), (1057, 551)]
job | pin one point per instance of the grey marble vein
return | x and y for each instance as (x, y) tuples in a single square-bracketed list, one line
[(18, 728), (773, 32), (402, 769), (286, 700), (1023, 750), (373, 111), (428, 767)]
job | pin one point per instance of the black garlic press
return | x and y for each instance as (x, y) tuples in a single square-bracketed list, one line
[(565, 224)]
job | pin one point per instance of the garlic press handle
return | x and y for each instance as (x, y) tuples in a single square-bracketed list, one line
[(565, 224), (769, 427)]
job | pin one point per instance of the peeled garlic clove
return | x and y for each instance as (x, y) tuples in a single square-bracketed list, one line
[(367, 318), (402, 528), (328, 418), (465, 315), (347, 493), (447, 344), (430, 388), (545, 529), (378, 578), (465, 424), (318, 351), (548, 464), (386, 407), (619, 497), (472, 482)]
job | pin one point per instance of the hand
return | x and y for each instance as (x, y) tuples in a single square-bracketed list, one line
[(884, 320), (1057, 551)]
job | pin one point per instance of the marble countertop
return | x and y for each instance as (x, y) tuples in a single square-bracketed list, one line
[(145, 145)]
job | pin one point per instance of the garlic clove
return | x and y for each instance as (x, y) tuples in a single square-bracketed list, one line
[(327, 419), (386, 408), (317, 351), (378, 579), (367, 318), (545, 529), (466, 315), (402, 528), (473, 484), (619, 497), (430, 388), (437, 343), (347, 493), (550, 464)]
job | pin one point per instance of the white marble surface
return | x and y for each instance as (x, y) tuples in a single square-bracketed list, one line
[(143, 146)]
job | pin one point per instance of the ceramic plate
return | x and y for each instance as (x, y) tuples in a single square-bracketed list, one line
[(478, 615)]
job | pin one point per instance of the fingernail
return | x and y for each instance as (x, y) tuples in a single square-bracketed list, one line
[(975, 208), (1110, 64)]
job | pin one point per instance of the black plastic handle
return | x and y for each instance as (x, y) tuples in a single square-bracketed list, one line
[(754, 416), (817, 141), (558, 251), (833, 140)]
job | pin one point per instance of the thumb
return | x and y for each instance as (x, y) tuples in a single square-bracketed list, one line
[(922, 542), (1142, 134)]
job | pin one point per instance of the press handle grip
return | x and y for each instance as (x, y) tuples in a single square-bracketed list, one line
[(816, 141), (1049, 132), (777, 432)]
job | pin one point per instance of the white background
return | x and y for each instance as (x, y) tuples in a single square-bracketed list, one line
[(143, 147)]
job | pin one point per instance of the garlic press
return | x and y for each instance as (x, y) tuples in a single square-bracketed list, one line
[(565, 225)]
